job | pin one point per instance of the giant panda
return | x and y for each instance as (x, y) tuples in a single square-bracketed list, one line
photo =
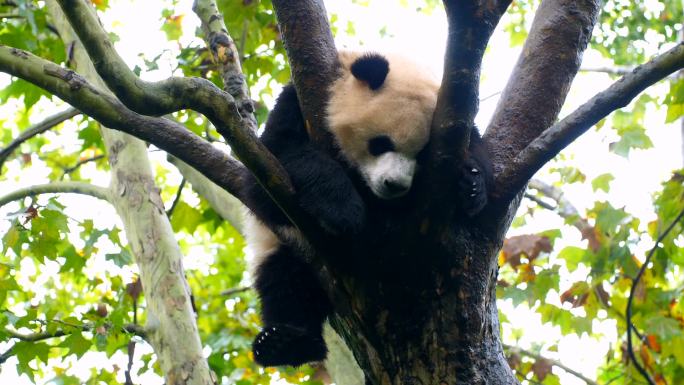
[(379, 113)]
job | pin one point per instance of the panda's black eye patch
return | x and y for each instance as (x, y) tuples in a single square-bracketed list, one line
[(380, 145)]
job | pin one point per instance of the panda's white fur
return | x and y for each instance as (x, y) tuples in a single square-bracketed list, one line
[(401, 108)]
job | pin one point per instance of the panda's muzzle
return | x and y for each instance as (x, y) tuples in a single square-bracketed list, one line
[(390, 175)]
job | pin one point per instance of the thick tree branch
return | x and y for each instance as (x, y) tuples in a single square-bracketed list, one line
[(553, 140), (226, 56), (194, 93), (313, 59), (555, 363), (148, 98), (36, 129), (166, 134), (56, 188), (542, 76), (471, 24)]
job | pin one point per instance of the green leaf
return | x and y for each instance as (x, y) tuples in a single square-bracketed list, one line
[(602, 182), (663, 327), (631, 137), (573, 256), (77, 344), (73, 260), (172, 27), (673, 348), (185, 217), (675, 101), (121, 259), (27, 351)]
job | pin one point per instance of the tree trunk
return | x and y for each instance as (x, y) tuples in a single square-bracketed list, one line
[(419, 307), (171, 327)]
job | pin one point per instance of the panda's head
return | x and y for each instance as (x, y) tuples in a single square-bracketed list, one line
[(380, 111)]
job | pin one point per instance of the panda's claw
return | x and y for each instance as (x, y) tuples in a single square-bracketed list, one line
[(473, 188)]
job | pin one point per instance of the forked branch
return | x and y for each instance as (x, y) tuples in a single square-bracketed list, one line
[(198, 94), (540, 81), (166, 134), (553, 140)]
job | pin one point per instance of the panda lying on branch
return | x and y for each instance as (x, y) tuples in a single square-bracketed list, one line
[(379, 113)]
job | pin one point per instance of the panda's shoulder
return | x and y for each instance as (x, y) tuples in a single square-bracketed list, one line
[(285, 122)]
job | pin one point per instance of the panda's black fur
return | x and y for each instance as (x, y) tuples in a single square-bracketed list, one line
[(294, 306)]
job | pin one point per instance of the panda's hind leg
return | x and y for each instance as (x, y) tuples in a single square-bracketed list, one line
[(294, 307)]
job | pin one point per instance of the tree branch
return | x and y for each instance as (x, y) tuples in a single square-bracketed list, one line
[(313, 59), (173, 94), (55, 188), (36, 129), (541, 78), (169, 212), (226, 56), (234, 291), (632, 290), (40, 336), (198, 94), (564, 207), (148, 98), (165, 134), (552, 362), (471, 24), (69, 170), (553, 140)]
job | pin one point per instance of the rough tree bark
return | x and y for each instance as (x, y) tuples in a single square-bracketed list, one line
[(417, 304)]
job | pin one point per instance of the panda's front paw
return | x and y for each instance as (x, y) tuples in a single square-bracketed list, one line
[(473, 188), (287, 345)]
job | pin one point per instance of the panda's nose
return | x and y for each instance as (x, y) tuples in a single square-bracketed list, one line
[(395, 187)]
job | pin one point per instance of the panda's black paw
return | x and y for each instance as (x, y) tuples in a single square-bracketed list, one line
[(287, 345), (473, 188)]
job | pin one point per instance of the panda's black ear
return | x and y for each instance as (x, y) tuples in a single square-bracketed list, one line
[(371, 68)]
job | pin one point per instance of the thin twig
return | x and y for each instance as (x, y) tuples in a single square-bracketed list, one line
[(36, 129), (552, 362), (540, 202), (80, 163), (635, 283), (169, 212), (41, 336), (236, 290)]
